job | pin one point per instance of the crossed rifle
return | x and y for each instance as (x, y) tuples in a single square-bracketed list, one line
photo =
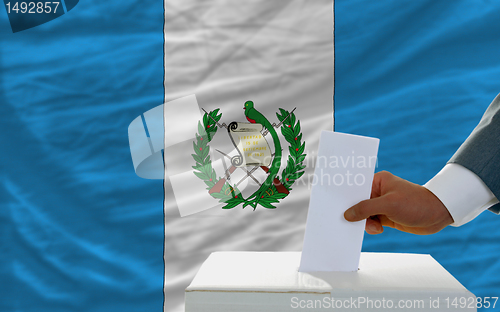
[(227, 172)]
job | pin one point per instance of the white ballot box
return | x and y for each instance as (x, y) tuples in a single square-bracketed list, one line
[(271, 282)]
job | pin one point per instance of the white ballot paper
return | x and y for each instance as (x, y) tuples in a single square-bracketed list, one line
[(343, 177)]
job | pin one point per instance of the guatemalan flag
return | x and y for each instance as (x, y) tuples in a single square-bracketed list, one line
[(81, 227)]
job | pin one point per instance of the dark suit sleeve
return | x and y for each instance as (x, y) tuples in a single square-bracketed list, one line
[(480, 153)]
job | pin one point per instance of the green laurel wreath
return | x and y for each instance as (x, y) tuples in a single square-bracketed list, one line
[(203, 168), (230, 195), (291, 131)]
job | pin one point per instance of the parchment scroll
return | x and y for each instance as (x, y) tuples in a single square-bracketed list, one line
[(252, 146)]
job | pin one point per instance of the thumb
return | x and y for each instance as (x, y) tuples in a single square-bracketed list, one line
[(366, 209)]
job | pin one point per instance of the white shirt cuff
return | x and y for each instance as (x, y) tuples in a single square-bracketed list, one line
[(462, 192)]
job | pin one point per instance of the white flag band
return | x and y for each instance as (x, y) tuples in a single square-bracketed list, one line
[(279, 56)]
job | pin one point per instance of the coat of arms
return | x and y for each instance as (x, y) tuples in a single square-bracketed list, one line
[(254, 153)]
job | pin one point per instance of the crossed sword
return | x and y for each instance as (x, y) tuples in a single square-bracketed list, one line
[(227, 172)]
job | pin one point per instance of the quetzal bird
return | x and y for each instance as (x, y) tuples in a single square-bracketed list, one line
[(254, 116)]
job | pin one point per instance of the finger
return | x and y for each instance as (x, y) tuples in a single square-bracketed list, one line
[(373, 226), (376, 185), (367, 208), (384, 221), (380, 181), (415, 230)]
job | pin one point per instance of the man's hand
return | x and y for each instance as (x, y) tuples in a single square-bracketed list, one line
[(402, 205)]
